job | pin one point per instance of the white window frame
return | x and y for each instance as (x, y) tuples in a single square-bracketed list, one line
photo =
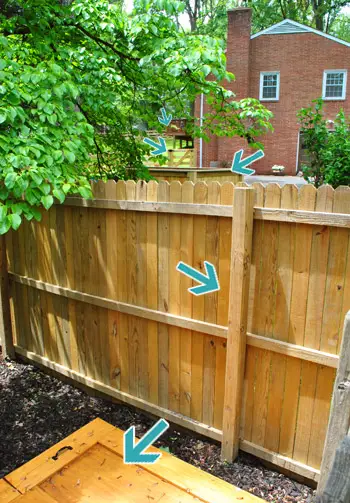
[(334, 98), (272, 72)]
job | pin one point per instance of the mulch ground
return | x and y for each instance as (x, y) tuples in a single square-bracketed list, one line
[(38, 410)]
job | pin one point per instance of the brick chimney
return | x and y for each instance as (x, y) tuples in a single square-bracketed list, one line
[(237, 62), (238, 49)]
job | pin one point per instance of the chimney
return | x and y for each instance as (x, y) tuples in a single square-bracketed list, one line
[(238, 49)]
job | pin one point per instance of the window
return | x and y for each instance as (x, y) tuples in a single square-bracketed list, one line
[(269, 86), (334, 84)]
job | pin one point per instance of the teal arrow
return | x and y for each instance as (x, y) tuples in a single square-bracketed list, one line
[(165, 119), (239, 166), (209, 281), (160, 147), (133, 454)]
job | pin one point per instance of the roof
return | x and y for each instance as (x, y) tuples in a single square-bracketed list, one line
[(288, 26)]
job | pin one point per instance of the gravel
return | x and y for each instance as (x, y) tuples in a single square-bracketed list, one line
[(38, 410)]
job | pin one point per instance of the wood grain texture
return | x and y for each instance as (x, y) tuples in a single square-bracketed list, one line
[(175, 195), (6, 336), (242, 229), (198, 309), (339, 417), (95, 290), (270, 214)]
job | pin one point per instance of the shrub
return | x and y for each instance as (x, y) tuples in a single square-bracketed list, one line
[(328, 149)]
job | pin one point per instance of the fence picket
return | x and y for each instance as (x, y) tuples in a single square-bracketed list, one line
[(152, 293), (210, 309), (186, 300), (302, 257), (163, 296), (141, 293), (197, 364), (174, 299), (276, 374), (225, 236)]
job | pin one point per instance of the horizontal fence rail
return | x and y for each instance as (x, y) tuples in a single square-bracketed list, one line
[(213, 210), (95, 296)]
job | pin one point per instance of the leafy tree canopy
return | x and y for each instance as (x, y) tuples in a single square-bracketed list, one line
[(320, 14), (79, 80), (210, 16)]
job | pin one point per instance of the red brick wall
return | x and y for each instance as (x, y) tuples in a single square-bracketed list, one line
[(301, 59)]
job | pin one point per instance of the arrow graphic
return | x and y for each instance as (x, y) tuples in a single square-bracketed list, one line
[(209, 281), (160, 147), (239, 166), (133, 454), (165, 119)]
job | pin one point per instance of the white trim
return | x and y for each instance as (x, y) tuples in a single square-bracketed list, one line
[(272, 72), (201, 124), (299, 25), (336, 98), (298, 147)]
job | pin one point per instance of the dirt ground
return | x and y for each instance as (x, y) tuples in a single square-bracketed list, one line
[(38, 410)]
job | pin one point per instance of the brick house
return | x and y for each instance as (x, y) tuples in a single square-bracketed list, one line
[(285, 66)]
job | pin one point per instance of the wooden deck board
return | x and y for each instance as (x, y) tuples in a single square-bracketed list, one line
[(93, 470), (7, 492)]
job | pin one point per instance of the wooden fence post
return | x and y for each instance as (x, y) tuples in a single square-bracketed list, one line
[(6, 339), (242, 230), (339, 417)]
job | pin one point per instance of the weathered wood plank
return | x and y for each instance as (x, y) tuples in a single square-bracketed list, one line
[(339, 418), (337, 488), (6, 337)]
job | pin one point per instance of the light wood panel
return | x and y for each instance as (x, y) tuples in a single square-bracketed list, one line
[(95, 290)]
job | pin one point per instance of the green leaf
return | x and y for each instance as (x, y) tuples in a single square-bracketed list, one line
[(5, 225), (85, 192), (47, 201), (36, 213), (32, 196), (3, 116), (10, 180), (45, 188), (3, 193), (25, 130), (3, 212), (14, 98), (66, 187), (36, 177), (15, 221), (59, 194), (70, 156)]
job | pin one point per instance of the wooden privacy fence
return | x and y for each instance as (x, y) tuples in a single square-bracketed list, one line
[(95, 295)]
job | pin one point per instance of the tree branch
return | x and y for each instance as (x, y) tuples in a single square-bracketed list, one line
[(103, 42)]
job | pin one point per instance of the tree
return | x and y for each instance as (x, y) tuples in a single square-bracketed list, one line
[(79, 77), (208, 16), (341, 27), (328, 148), (319, 14)]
